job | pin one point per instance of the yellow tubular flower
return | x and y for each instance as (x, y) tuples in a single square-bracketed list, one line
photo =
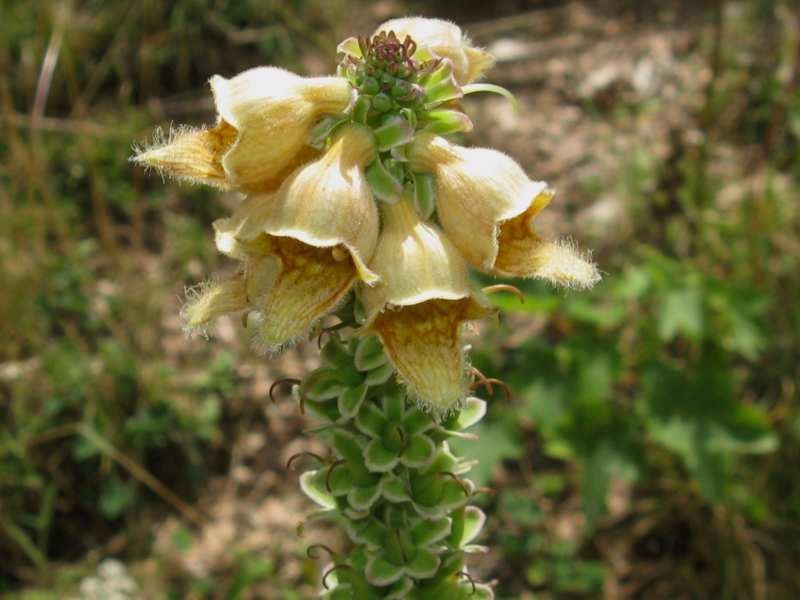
[(306, 245), (443, 39), (487, 204), (420, 305), (265, 117)]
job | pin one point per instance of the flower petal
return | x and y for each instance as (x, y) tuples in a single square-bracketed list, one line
[(273, 112), (444, 40), (328, 202), (522, 253), (212, 300), (310, 283), (423, 342), (192, 155)]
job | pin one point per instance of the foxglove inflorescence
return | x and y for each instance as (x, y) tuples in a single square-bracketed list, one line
[(356, 203)]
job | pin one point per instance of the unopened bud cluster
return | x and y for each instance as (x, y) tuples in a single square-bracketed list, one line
[(357, 203)]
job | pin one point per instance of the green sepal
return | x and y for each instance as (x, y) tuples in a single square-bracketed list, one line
[(359, 311), (340, 480), (378, 459), (424, 197), (394, 405), (350, 401), (361, 109), (394, 489), (347, 446), (419, 452), (473, 411), (475, 549), (467, 524), (322, 384), (327, 411), (350, 47), (362, 498), (415, 421), (441, 92), (385, 186), (380, 375), (370, 420), (369, 354), (444, 70), (395, 131), (427, 532), (323, 130), (400, 590), (336, 354), (472, 88), (369, 532), (342, 591), (381, 572), (423, 565), (312, 483), (446, 121), (444, 461)]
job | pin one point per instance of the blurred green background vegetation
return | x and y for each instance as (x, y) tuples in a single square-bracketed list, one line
[(651, 448)]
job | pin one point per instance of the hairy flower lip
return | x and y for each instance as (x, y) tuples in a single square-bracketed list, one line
[(420, 305)]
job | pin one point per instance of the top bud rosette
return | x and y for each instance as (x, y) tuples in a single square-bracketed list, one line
[(352, 189)]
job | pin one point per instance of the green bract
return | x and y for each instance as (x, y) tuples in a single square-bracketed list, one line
[(392, 484)]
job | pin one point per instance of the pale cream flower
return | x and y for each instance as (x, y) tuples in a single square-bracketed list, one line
[(420, 305), (487, 204), (443, 39), (265, 118), (305, 245)]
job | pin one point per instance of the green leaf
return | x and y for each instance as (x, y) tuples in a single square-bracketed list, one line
[(394, 489), (467, 524), (362, 498), (681, 313), (419, 452), (369, 354), (322, 384), (371, 420), (380, 375), (348, 446), (393, 405), (424, 194), (473, 411), (378, 459), (385, 186), (381, 572), (395, 131), (427, 532), (415, 421), (423, 565), (350, 401), (312, 483)]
